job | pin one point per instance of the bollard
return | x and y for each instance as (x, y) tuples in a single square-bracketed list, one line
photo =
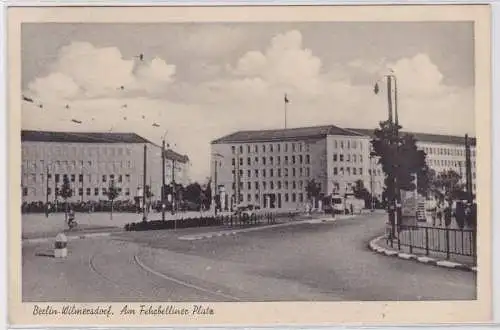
[(60, 247)]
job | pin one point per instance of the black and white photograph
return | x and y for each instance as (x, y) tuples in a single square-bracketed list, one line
[(245, 161)]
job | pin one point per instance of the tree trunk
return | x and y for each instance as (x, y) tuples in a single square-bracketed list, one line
[(111, 210), (66, 211)]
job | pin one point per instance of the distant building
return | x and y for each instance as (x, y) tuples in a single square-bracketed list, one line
[(91, 161), (272, 168)]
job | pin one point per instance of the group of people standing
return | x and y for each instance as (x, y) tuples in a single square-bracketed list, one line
[(443, 211)]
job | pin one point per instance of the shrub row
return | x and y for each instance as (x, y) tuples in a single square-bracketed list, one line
[(200, 222)]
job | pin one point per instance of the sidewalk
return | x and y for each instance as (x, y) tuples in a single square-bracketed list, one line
[(381, 246)]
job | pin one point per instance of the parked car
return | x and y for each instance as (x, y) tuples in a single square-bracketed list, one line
[(246, 211)]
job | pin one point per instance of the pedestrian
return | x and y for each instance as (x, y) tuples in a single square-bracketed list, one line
[(352, 209), (439, 213), (447, 214)]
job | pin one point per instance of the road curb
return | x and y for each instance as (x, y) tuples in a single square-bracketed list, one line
[(70, 238), (373, 245), (236, 231)]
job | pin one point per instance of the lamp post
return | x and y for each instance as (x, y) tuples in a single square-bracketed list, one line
[(163, 180), (216, 186)]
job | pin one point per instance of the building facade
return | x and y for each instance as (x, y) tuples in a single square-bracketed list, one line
[(91, 161), (271, 168)]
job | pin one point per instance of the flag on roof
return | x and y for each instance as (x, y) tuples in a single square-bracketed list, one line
[(376, 88), (286, 99)]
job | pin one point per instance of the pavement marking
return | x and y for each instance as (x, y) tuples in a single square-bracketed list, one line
[(186, 284)]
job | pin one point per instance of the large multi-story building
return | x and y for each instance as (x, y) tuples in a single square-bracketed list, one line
[(91, 161), (272, 168)]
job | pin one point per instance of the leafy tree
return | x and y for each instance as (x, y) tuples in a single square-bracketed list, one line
[(360, 192), (113, 193), (426, 178), (447, 185), (192, 193), (398, 155), (313, 190), (66, 193), (207, 194)]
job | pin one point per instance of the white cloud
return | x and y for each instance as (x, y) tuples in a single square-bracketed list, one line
[(249, 95), (212, 41)]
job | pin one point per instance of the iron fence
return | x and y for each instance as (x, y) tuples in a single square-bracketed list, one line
[(449, 241)]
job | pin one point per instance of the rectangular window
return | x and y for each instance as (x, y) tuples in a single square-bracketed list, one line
[(341, 157), (335, 171), (279, 184), (112, 177), (279, 147), (300, 185), (279, 160), (301, 171), (249, 173), (248, 161), (248, 150), (263, 148), (286, 147), (25, 191), (360, 171), (80, 178), (348, 170), (293, 160), (354, 158), (249, 185), (127, 192), (256, 160), (256, 173), (104, 191), (301, 197), (249, 198), (294, 197), (308, 159), (286, 197), (286, 172), (80, 192), (294, 185), (279, 172), (257, 198), (256, 184), (233, 149), (286, 160), (104, 178), (127, 177), (264, 185), (241, 161), (334, 157), (49, 176), (255, 148), (271, 173), (271, 148), (293, 147), (354, 171), (263, 160), (73, 178), (271, 184), (264, 173), (293, 172), (49, 191), (88, 191), (271, 160), (286, 184), (120, 178)]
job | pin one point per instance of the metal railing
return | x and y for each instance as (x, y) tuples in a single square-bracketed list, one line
[(449, 241)]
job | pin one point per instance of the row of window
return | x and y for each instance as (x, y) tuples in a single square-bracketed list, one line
[(271, 147), (300, 159), (279, 185), (104, 191), (73, 164), (306, 171), (293, 197), (450, 163), (348, 158), (72, 178), (347, 144), (448, 151), (81, 151)]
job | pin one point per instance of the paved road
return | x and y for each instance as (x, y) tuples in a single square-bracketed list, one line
[(327, 261)]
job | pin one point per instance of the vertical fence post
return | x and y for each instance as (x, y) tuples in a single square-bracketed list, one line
[(410, 232), (398, 232), (447, 239), (426, 241), (231, 220)]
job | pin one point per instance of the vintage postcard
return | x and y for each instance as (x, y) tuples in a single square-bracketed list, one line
[(278, 165)]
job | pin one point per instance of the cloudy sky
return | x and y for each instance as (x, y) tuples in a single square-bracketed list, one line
[(202, 81)]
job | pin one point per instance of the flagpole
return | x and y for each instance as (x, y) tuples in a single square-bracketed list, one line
[(285, 110)]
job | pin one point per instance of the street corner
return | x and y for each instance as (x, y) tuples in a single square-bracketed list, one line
[(374, 246)]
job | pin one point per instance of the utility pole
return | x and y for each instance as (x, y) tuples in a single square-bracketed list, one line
[(468, 169), (163, 180), (372, 202), (173, 185), (215, 186), (286, 104), (81, 175), (145, 214), (47, 193)]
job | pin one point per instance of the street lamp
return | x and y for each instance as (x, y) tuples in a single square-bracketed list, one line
[(163, 177), (393, 121), (216, 156)]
